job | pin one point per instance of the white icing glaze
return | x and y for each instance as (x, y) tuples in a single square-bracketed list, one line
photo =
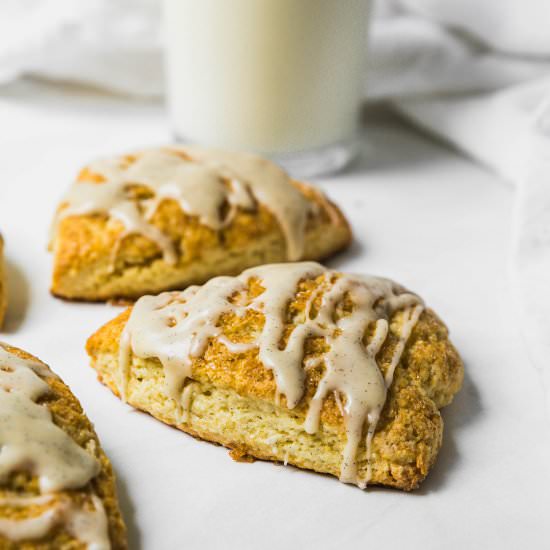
[(185, 402), (30, 440), (175, 327), (29, 528), (29, 437), (88, 525), (202, 181)]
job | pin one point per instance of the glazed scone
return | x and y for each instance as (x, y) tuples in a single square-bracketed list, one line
[(337, 373), (3, 289), (57, 488), (166, 218)]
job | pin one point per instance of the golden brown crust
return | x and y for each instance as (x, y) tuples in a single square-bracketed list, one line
[(67, 413), (3, 289), (83, 249), (409, 432)]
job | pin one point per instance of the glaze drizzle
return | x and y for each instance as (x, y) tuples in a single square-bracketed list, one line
[(176, 327), (31, 441), (211, 185)]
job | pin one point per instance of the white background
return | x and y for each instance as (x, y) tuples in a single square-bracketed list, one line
[(421, 215)]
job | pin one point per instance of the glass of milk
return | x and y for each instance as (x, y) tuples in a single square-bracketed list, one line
[(282, 78)]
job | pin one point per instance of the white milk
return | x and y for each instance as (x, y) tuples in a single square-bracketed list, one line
[(272, 76)]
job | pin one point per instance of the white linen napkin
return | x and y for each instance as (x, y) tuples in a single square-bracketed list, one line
[(473, 73)]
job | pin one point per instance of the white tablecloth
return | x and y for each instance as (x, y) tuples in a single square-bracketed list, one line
[(421, 215)]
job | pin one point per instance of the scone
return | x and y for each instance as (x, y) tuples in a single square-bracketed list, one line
[(3, 289), (57, 489), (166, 218), (342, 374)]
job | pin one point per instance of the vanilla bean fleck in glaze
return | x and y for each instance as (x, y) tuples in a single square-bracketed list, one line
[(176, 327), (211, 185), (31, 441)]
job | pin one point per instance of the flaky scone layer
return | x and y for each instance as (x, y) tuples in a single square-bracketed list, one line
[(67, 413), (86, 269), (233, 397)]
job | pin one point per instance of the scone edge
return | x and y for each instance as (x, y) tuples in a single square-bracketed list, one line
[(405, 446), (68, 414), (82, 250)]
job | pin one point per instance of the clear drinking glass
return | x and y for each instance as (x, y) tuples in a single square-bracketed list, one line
[(282, 78)]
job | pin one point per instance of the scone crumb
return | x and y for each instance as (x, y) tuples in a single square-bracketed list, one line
[(240, 455)]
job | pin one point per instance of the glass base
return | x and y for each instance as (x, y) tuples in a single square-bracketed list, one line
[(317, 162), (313, 162)]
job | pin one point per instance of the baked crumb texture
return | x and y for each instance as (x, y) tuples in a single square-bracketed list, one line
[(3, 289), (96, 259), (233, 396), (67, 414)]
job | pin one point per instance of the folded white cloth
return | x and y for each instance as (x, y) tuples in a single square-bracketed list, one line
[(471, 72), (474, 73), (113, 44)]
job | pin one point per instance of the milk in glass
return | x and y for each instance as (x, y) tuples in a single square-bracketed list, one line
[(279, 77)]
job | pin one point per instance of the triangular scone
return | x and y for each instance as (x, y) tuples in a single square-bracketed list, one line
[(337, 373), (166, 218), (57, 488), (3, 289)]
